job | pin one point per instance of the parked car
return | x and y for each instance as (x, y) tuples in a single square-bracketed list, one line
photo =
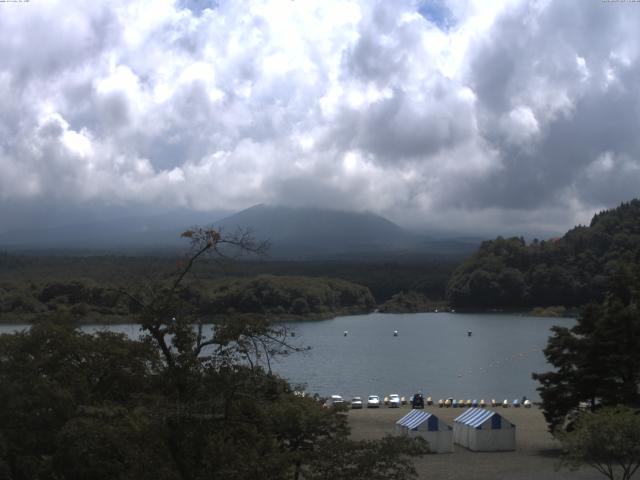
[(356, 402), (336, 400), (394, 400), (417, 401), (373, 401)]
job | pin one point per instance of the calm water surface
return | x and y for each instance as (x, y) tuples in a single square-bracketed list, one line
[(431, 353)]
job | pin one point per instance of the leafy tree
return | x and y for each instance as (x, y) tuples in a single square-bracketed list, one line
[(367, 460), (183, 403), (607, 440), (597, 360), (572, 271)]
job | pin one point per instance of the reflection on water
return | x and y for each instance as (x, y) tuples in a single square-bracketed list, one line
[(431, 353)]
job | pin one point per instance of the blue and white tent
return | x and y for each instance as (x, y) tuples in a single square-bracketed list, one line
[(484, 430), (428, 426)]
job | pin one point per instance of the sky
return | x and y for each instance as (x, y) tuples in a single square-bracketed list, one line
[(498, 117)]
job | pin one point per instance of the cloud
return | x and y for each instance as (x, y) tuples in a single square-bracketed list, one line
[(448, 113)]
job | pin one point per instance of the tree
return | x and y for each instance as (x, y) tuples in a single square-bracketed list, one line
[(607, 440), (597, 360), (383, 459), (183, 403)]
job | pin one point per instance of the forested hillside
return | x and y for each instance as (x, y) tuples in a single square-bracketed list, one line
[(570, 271), (281, 297)]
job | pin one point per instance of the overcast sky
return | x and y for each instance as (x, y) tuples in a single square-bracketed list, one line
[(470, 115)]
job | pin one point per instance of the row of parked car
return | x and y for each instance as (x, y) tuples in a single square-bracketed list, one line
[(373, 401), (418, 401)]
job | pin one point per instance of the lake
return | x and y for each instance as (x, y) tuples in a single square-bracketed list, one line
[(432, 353)]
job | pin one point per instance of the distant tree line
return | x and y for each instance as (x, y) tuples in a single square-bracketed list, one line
[(570, 271), (282, 297)]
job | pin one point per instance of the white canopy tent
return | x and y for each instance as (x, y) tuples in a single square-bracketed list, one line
[(428, 426), (484, 430)]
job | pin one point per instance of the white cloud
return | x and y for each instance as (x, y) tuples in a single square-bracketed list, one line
[(346, 103)]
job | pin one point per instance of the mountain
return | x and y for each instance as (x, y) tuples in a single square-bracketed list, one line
[(304, 232), (141, 232), (307, 232), (294, 234), (571, 271)]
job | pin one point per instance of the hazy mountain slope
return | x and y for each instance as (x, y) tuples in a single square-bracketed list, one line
[(294, 233), (155, 231), (310, 231)]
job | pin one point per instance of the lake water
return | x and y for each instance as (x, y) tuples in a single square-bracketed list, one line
[(432, 353)]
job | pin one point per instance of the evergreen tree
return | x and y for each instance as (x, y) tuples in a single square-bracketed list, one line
[(597, 361)]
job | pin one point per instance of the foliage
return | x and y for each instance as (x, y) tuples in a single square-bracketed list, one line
[(408, 302), (279, 296), (181, 403), (283, 296), (32, 287), (50, 375), (367, 460), (607, 440), (552, 311), (597, 360), (571, 271)]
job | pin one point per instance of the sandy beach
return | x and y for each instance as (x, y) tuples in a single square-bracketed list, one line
[(535, 457)]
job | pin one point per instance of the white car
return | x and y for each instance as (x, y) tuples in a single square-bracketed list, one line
[(336, 400), (356, 402), (373, 401), (394, 400)]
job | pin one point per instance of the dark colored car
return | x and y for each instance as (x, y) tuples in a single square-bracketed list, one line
[(417, 401)]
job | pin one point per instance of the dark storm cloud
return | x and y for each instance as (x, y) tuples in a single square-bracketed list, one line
[(575, 69)]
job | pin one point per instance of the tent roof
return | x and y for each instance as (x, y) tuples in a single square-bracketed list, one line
[(474, 417), (414, 419)]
